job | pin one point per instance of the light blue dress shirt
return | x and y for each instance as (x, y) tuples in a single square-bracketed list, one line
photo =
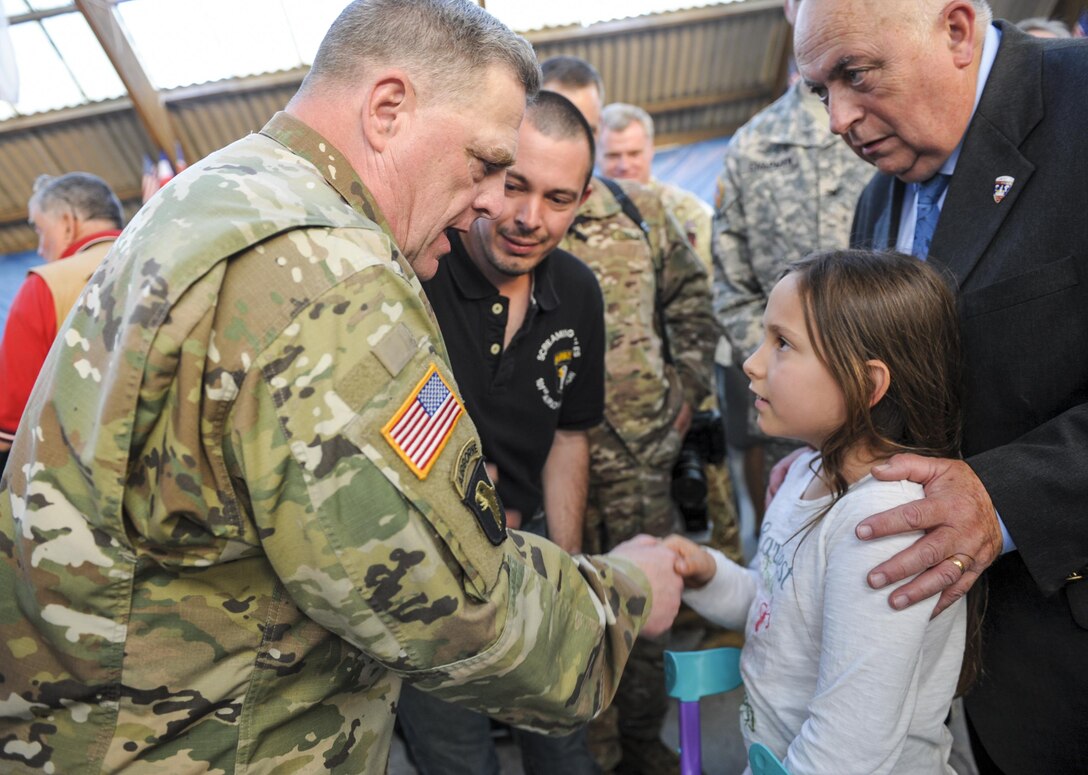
[(908, 217)]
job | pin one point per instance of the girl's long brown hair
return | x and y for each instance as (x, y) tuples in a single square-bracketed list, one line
[(862, 305)]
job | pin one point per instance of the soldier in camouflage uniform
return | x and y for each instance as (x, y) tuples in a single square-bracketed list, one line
[(692, 213), (788, 188), (648, 402), (626, 152), (246, 502)]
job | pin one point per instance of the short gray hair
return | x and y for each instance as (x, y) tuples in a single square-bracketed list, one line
[(89, 197), (619, 115), (1042, 24), (983, 11), (922, 21), (445, 44)]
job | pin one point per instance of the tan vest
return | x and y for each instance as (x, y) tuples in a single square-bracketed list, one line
[(67, 277)]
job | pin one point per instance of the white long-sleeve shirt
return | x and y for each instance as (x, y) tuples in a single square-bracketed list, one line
[(837, 681)]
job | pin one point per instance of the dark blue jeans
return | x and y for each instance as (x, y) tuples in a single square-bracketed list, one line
[(444, 739)]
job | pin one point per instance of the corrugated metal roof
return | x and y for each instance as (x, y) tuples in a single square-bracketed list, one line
[(700, 72)]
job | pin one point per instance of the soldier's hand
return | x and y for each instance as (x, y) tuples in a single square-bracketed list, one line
[(657, 561), (693, 562)]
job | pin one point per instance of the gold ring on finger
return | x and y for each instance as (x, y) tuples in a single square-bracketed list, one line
[(959, 564)]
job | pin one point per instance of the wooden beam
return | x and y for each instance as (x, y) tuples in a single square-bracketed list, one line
[(37, 16), (62, 116), (670, 139), (575, 33), (708, 100), (147, 101), (230, 86)]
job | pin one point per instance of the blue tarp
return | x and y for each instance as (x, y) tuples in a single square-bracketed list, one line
[(12, 271), (694, 167)]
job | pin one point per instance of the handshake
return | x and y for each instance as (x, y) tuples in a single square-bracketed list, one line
[(670, 564)]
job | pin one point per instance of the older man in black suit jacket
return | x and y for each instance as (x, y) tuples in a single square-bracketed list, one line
[(931, 91)]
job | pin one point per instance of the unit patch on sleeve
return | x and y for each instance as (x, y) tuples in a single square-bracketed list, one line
[(470, 479), (424, 423)]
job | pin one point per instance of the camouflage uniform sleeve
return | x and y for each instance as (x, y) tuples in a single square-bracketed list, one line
[(407, 560), (689, 317), (739, 298), (702, 233)]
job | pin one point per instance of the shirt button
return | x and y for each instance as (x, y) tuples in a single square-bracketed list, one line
[(496, 348), (496, 308)]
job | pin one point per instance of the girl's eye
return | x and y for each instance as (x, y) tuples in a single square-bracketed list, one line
[(781, 343)]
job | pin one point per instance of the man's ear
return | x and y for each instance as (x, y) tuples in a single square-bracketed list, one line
[(389, 102), (881, 378), (963, 31), (586, 193), (71, 225)]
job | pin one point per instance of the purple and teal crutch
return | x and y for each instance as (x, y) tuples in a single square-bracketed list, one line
[(692, 675)]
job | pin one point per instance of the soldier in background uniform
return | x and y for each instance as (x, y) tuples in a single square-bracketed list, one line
[(788, 187), (246, 502), (647, 278), (626, 152)]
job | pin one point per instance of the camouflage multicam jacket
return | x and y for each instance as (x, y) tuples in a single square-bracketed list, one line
[(643, 394), (692, 213), (220, 549), (789, 187)]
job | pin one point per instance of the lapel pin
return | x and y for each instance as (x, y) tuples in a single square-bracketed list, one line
[(1002, 186)]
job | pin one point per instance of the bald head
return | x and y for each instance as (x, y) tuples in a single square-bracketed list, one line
[(898, 77)]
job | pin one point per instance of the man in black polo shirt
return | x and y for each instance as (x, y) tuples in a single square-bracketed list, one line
[(524, 326)]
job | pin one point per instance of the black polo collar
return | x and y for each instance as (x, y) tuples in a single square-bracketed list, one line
[(472, 284)]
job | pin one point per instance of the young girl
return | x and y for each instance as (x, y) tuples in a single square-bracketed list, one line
[(860, 360)]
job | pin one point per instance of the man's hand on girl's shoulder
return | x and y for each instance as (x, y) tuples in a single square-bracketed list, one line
[(962, 533)]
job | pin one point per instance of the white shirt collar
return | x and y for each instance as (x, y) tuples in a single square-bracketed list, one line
[(908, 214), (986, 64)]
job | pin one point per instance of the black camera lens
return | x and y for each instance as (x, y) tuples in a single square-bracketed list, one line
[(689, 489)]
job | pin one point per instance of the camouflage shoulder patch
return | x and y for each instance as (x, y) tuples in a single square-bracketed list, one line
[(396, 349), (482, 500), (422, 426), (473, 485), (464, 466)]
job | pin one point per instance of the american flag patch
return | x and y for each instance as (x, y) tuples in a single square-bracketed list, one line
[(424, 423)]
